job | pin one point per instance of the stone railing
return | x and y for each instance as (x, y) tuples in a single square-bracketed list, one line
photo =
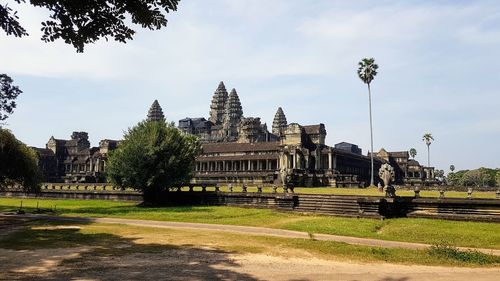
[(83, 187)]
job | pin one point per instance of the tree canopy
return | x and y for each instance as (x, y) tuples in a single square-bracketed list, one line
[(367, 70), (482, 177), (82, 22), (153, 157), (8, 95), (428, 138), (413, 152), (19, 165)]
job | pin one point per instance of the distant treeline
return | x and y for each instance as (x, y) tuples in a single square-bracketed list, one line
[(482, 177)]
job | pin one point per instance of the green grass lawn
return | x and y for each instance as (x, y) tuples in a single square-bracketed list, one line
[(431, 231)]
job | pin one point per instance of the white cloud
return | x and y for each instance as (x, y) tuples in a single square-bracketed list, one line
[(436, 67)]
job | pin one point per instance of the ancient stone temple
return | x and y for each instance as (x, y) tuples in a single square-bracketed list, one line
[(240, 149), (155, 112), (74, 160)]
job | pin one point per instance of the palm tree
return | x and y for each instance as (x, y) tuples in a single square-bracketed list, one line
[(367, 71), (413, 153), (428, 138), (452, 168)]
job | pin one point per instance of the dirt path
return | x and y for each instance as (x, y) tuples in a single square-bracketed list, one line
[(186, 263), (258, 231)]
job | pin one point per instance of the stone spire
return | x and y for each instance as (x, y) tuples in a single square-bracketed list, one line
[(279, 122), (218, 105), (233, 114), (155, 112)]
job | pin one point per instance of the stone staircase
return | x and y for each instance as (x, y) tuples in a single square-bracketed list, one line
[(338, 205)]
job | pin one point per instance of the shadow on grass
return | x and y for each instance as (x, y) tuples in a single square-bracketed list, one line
[(65, 251)]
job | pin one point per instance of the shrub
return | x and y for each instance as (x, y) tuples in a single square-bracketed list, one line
[(153, 157), (470, 256)]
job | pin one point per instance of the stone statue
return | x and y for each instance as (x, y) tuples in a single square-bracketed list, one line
[(284, 177), (386, 173), (284, 169)]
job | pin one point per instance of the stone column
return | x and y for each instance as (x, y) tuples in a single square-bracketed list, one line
[(330, 160), (317, 165)]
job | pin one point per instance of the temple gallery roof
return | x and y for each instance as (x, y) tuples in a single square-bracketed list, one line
[(43, 151), (412, 162), (239, 147), (314, 129), (399, 154)]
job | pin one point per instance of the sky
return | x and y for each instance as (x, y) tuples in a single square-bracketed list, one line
[(437, 73)]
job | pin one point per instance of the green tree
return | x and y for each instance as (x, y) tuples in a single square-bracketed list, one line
[(153, 157), (452, 168), (453, 179), (367, 70), (413, 152), (472, 178), (82, 22), (19, 164), (488, 176), (8, 95), (428, 139), (497, 178)]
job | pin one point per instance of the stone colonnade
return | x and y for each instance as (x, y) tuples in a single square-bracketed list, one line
[(236, 165)]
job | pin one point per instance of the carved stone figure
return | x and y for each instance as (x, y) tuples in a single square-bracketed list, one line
[(386, 174), (284, 171)]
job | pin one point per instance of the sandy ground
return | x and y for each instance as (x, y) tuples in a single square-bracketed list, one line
[(251, 230), (185, 263), (147, 255)]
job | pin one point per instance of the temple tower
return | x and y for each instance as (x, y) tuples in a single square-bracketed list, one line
[(155, 112), (251, 130), (232, 115), (279, 123), (218, 106)]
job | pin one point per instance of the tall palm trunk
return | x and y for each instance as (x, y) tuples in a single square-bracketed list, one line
[(428, 156), (371, 131)]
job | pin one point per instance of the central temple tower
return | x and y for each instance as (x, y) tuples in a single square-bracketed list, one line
[(233, 114), (218, 106)]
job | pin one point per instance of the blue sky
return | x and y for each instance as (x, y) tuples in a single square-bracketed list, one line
[(438, 73)]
